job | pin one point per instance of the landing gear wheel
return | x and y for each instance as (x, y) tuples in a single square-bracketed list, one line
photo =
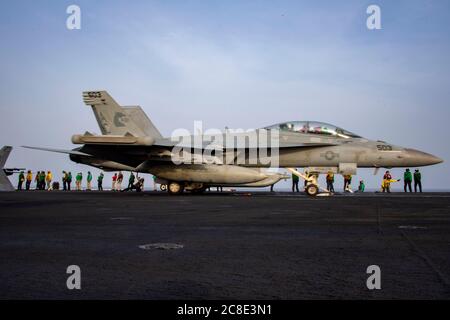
[(175, 188), (312, 190), (163, 187)]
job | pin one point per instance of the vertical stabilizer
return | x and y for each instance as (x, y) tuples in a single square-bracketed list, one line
[(116, 120), (5, 184)]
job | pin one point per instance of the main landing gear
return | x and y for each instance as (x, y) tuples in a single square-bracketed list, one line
[(176, 188)]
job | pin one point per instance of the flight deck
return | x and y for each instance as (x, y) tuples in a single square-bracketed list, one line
[(242, 245)]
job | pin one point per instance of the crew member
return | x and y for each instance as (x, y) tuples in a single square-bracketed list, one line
[(114, 182), (29, 179), (330, 181), (407, 179), (69, 180), (361, 186), (417, 180), (42, 180), (154, 183), (48, 179), (21, 180), (119, 181), (36, 179), (78, 181), (89, 180), (138, 186), (295, 180), (131, 180), (347, 182), (307, 175), (64, 180), (100, 181), (387, 180)]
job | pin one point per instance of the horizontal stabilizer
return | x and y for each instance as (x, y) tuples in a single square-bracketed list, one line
[(127, 139), (74, 152)]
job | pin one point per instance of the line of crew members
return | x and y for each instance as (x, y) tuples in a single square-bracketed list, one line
[(44, 181), (408, 178)]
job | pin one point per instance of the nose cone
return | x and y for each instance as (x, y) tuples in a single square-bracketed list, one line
[(418, 158)]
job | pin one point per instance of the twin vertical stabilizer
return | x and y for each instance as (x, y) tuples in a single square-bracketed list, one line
[(116, 120)]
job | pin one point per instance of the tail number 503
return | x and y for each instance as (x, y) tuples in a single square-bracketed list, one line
[(383, 147)]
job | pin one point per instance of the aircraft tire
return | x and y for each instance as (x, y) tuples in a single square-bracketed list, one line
[(175, 188), (163, 187), (312, 190)]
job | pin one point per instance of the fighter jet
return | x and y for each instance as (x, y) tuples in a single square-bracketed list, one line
[(5, 184), (130, 141)]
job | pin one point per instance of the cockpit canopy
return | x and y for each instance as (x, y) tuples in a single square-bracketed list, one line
[(313, 127)]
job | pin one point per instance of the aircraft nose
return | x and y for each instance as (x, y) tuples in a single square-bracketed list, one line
[(421, 158)]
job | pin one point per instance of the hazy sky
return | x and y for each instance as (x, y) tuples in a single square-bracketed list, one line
[(241, 64)]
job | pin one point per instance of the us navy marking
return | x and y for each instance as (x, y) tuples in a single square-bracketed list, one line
[(329, 155)]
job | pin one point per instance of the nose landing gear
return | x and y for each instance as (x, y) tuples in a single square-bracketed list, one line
[(312, 190), (312, 187)]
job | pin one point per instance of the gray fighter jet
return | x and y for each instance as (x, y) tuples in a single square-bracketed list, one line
[(131, 142)]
